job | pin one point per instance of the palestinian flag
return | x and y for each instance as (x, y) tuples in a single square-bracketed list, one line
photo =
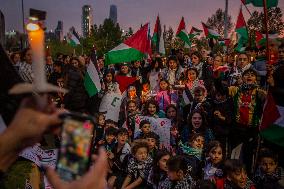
[(92, 80), (124, 82), (260, 38), (73, 37), (157, 34), (194, 32), (242, 32), (259, 3), (181, 32), (272, 124), (209, 33), (224, 42), (133, 48)]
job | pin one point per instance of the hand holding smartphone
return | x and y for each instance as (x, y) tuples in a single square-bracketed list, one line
[(75, 147)]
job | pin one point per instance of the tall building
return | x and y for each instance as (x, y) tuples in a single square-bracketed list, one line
[(59, 31), (87, 19), (2, 28), (113, 13)]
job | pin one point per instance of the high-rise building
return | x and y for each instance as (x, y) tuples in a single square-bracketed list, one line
[(59, 30), (87, 20), (113, 13), (2, 28)]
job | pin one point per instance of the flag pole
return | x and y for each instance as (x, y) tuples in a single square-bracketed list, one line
[(266, 29), (246, 7)]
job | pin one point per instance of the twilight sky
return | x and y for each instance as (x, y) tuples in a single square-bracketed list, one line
[(131, 13)]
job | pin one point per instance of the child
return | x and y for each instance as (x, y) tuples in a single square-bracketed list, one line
[(119, 157), (152, 109), (100, 129), (132, 112), (199, 102), (110, 139), (235, 176), (153, 141), (197, 123), (222, 114), (110, 123), (163, 96), (138, 166), (213, 163), (268, 175), (158, 173), (145, 128), (178, 174), (193, 152)]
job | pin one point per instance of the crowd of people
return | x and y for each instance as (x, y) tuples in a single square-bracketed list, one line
[(213, 101)]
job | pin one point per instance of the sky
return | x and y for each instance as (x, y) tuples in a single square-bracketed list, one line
[(131, 13)]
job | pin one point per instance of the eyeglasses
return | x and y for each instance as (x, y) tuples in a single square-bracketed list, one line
[(243, 59)]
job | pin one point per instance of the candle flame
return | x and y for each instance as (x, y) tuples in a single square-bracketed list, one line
[(32, 27)]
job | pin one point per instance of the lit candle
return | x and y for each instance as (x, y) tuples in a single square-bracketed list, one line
[(36, 40)]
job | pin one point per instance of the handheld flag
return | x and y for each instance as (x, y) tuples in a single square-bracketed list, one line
[(210, 33), (242, 32), (259, 3), (181, 32), (133, 48)]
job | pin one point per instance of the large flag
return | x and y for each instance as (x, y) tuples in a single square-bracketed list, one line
[(157, 34), (259, 3), (92, 80), (272, 124), (73, 37), (210, 33), (194, 32), (181, 32), (242, 32), (133, 48)]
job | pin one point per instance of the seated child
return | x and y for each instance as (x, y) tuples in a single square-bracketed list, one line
[(111, 123), (193, 153), (178, 174), (132, 112), (158, 173), (235, 176), (153, 141), (138, 166), (213, 163), (145, 128), (268, 174), (119, 158), (99, 129), (110, 139)]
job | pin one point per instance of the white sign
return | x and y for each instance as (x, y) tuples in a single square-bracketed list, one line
[(160, 126), (111, 105)]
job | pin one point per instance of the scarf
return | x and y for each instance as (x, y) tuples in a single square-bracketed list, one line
[(191, 151)]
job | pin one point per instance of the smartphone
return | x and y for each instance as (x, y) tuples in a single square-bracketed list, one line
[(75, 146)]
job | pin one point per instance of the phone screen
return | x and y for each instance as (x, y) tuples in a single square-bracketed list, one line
[(75, 148)]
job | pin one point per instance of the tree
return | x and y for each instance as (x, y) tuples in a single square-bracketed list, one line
[(105, 37), (216, 22), (275, 22), (168, 36)]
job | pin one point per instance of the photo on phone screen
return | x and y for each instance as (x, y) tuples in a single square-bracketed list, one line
[(75, 149)]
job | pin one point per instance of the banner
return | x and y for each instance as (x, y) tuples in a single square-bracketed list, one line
[(161, 126), (41, 158), (111, 105)]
